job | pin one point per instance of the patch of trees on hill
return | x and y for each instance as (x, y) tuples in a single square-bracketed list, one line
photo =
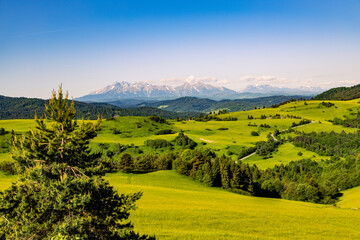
[(25, 108), (330, 144), (193, 104), (340, 93)]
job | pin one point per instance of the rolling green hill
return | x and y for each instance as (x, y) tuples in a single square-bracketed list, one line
[(340, 93), (176, 207), (25, 108), (170, 198), (193, 104)]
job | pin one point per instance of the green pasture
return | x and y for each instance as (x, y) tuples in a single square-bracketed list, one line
[(285, 154), (176, 207), (312, 110), (18, 125), (350, 199)]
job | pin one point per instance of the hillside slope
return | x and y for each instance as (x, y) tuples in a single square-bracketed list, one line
[(191, 104), (176, 207), (340, 93), (25, 108)]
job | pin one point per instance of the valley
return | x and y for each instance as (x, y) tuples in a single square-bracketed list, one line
[(205, 212)]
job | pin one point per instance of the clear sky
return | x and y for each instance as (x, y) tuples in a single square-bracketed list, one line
[(87, 45)]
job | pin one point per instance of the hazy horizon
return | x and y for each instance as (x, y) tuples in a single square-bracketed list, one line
[(89, 45)]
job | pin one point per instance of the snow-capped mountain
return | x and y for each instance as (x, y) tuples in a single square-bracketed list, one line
[(271, 90), (148, 91)]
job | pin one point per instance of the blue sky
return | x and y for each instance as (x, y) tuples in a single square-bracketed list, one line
[(87, 45)]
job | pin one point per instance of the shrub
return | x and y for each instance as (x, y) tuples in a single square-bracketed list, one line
[(253, 133)]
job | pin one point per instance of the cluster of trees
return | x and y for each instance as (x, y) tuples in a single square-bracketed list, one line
[(146, 162), (3, 131), (158, 143), (184, 141), (283, 103), (326, 104), (165, 131), (302, 122), (303, 180), (329, 144), (262, 148), (348, 122)]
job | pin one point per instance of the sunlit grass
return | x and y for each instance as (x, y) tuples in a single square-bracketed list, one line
[(285, 154), (350, 199), (176, 207)]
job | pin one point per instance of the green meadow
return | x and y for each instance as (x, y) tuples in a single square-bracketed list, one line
[(176, 207), (350, 199), (285, 154)]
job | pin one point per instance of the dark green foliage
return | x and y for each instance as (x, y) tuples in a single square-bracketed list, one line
[(157, 143), (223, 128), (193, 104), (184, 141), (3, 131), (349, 121), (254, 133), (246, 151), (5, 143), (283, 103), (329, 144), (126, 163), (265, 149), (157, 119), (340, 93), (60, 192), (8, 167), (326, 104), (165, 131), (302, 122)]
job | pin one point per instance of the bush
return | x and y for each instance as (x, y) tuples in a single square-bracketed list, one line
[(8, 167), (253, 133), (165, 131), (222, 128), (184, 141), (157, 143)]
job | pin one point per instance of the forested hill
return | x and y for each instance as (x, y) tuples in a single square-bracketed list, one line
[(340, 93), (184, 104), (25, 108)]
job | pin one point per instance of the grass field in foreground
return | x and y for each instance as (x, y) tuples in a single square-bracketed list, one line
[(176, 207), (350, 199)]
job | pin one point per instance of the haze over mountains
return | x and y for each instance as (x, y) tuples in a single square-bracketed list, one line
[(148, 91)]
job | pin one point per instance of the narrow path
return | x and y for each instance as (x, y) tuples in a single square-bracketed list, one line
[(247, 156), (205, 140), (272, 135)]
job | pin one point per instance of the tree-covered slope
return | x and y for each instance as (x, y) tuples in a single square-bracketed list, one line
[(340, 93), (25, 108), (185, 104)]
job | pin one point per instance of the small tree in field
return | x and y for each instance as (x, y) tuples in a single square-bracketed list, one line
[(60, 193)]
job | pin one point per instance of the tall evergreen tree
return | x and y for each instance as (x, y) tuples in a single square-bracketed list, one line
[(60, 193)]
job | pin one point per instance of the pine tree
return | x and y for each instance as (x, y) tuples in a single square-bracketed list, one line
[(60, 192)]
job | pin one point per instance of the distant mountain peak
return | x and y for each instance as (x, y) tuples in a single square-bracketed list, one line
[(146, 90)]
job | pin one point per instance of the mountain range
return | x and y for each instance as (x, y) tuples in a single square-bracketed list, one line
[(146, 91)]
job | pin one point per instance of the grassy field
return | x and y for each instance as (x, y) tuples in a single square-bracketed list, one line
[(285, 154), (176, 207), (350, 199)]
